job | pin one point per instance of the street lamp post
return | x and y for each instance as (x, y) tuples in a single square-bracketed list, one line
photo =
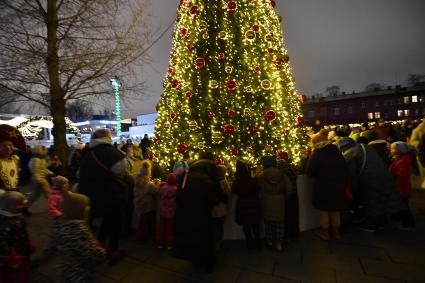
[(117, 85)]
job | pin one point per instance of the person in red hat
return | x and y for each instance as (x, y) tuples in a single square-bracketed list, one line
[(10, 137)]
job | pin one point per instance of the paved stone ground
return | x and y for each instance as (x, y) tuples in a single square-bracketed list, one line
[(389, 256)]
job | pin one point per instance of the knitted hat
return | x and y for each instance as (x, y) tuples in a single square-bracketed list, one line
[(9, 133), (59, 181), (344, 142), (75, 206), (318, 138), (370, 135), (402, 147), (145, 169), (172, 179), (10, 199), (269, 161), (180, 167)]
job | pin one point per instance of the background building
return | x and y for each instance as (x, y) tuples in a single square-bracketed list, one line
[(392, 103)]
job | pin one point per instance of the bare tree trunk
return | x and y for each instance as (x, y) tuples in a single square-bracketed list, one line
[(57, 99)]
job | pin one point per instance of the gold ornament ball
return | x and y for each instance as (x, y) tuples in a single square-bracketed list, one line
[(213, 84), (222, 35)]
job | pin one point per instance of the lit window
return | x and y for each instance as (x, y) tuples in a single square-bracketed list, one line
[(406, 112), (377, 115), (336, 111), (350, 109), (370, 115), (406, 100), (399, 113), (414, 99)]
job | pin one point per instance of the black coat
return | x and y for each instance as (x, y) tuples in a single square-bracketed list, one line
[(193, 228), (106, 192), (248, 207), (330, 172)]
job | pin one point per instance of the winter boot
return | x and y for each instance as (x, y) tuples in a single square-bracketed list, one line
[(336, 233), (323, 234)]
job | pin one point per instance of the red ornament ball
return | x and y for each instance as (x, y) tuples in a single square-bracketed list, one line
[(231, 113), (190, 46), (175, 84), (189, 95), (286, 133), (300, 120), (272, 3), (171, 71), (255, 129), (184, 32), (194, 11), (277, 62), (182, 148), (221, 56), (232, 7), (233, 152), (257, 69), (229, 129), (270, 50), (219, 160), (231, 85), (200, 63), (282, 155), (157, 139), (211, 115), (173, 116), (255, 28), (303, 98), (182, 2), (285, 58), (270, 115)]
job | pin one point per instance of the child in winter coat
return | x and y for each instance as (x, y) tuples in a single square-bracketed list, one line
[(167, 208), (274, 188), (73, 243), (15, 248), (55, 199), (402, 155), (145, 192), (219, 210), (248, 207), (40, 173)]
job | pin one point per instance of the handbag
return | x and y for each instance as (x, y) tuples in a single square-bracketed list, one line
[(121, 180)]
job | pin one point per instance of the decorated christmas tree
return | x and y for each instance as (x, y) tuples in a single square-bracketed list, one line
[(229, 87)]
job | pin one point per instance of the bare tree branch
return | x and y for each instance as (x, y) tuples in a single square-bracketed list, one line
[(57, 50)]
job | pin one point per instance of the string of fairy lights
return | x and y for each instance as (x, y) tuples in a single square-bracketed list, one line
[(229, 88)]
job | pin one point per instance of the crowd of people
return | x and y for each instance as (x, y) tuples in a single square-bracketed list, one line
[(361, 176)]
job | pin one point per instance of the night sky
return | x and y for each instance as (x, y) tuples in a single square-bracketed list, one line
[(349, 43)]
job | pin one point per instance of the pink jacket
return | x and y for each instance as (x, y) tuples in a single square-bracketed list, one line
[(400, 169), (54, 203), (167, 192)]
